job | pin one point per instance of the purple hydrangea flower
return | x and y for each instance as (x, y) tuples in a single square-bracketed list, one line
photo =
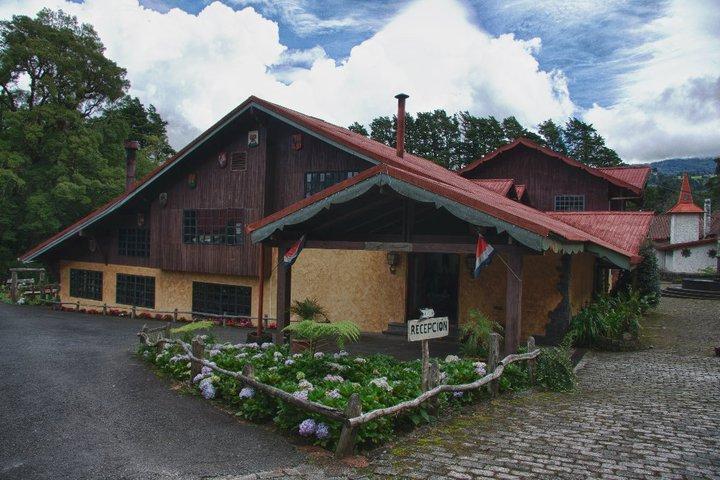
[(247, 392), (307, 427), (206, 370), (266, 345), (289, 361), (458, 394), (319, 354), (322, 431), (333, 393), (301, 394), (207, 389)]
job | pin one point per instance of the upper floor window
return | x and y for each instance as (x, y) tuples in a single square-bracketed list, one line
[(86, 284), (135, 290), (134, 242), (221, 299), (569, 203), (213, 226), (316, 181)]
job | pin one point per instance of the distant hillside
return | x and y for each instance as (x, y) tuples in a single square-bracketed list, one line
[(676, 166)]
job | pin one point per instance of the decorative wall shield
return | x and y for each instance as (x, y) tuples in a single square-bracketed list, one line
[(222, 159), (296, 141), (253, 138), (163, 199), (192, 180), (92, 244)]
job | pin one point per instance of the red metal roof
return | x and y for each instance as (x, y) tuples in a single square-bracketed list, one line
[(635, 176), (685, 202), (660, 227), (626, 230), (614, 179), (520, 191), (498, 185), (415, 170)]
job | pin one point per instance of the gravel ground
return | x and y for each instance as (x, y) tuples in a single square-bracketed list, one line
[(77, 404)]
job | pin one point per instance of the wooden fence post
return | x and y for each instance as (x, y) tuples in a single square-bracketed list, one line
[(532, 363), (175, 315), (143, 332), (104, 308), (493, 361), (198, 351), (248, 370), (133, 312), (77, 306), (433, 381), (346, 443), (14, 287)]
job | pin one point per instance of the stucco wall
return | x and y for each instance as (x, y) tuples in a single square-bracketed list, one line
[(698, 259), (172, 289), (352, 285), (582, 281), (684, 227), (486, 293)]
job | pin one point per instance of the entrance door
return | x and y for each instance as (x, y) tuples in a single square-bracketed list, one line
[(433, 283)]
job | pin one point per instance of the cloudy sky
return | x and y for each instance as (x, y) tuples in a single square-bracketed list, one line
[(645, 73)]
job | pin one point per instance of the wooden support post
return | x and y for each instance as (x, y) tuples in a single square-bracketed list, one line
[(513, 301), (198, 350), (532, 363), (346, 443), (261, 291), (284, 285), (175, 315), (425, 365), (133, 312), (14, 286), (493, 361), (41, 281)]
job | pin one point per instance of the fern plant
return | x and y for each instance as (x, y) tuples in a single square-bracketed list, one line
[(193, 327), (315, 332), (309, 309), (476, 333)]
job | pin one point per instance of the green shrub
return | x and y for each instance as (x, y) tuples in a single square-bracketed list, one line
[(647, 281), (555, 370), (379, 380), (315, 332), (475, 334)]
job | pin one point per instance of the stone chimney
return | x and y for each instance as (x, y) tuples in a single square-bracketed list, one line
[(400, 140), (131, 148)]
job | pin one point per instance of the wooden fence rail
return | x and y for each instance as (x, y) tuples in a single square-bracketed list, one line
[(352, 417)]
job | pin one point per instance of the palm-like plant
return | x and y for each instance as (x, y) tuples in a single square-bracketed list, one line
[(476, 333), (309, 309)]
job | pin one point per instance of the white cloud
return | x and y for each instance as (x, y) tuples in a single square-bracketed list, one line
[(195, 68), (670, 105)]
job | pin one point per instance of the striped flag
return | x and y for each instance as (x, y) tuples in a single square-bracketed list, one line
[(483, 255), (292, 253)]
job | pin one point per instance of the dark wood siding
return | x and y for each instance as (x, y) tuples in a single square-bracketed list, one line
[(546, 177)]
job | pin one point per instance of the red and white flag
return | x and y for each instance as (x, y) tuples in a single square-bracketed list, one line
[(483, 255), (292, 253)]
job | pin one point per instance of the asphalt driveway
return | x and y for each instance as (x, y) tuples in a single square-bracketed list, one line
[(75, 403)]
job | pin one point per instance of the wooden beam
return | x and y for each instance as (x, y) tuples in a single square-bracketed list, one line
[(284, 284), (261, 290), (513, 301)]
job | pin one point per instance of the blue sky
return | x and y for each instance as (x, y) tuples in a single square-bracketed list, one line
[(645, 73)]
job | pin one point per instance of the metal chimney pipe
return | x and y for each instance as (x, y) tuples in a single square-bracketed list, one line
[(400, 140), (131, 148)]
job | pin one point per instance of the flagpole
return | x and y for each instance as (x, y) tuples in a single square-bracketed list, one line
[(509, 269)]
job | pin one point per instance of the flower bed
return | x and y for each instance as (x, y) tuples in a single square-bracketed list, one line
[(330, 379)]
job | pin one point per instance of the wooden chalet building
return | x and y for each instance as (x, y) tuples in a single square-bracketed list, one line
[(387, 232)]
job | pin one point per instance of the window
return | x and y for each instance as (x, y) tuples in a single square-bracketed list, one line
[(316, 181), (213, 226), (134, 242), (135, 290), (221, 299), (238, 161), (86, 284), (569, 203)]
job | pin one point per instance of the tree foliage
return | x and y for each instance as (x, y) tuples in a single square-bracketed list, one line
[(63, 117), (454, 141)]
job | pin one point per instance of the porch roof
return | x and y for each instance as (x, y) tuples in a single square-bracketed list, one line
[(463, 199)]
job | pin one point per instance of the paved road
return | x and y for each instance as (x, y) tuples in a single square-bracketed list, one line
[(75, 403), (648, 414)]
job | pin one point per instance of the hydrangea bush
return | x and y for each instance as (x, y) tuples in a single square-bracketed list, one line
[(330, 379)]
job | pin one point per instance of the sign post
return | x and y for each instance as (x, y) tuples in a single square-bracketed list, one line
[(423, 330)]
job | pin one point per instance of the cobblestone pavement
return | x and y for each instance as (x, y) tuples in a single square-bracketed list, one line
[(653, 413)]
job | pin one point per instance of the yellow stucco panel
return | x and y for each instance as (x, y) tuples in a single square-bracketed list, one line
[(582, 285), (540, 293), (486, 293)]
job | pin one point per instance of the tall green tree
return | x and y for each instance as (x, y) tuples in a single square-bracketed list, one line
[(553, 136), (479, 136), (63, 117), (585, 145), (359, 128)]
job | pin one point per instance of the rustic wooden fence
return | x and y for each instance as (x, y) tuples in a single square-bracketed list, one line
[(352, 416)]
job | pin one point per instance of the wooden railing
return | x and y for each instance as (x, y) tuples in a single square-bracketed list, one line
[(351, 417)]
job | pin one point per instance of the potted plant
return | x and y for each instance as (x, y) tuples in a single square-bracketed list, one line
[(315, 327)]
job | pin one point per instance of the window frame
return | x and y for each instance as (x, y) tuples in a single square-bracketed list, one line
[(569, 201), (87, 289), (136, 242), (231, 300), (314, 185), (231, 233), (128, 285)]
